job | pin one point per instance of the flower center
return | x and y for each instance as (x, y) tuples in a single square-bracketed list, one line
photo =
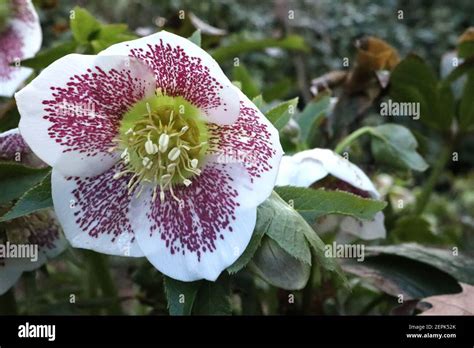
[(162, 142)]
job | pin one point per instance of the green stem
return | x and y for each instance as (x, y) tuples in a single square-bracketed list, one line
[(31, 291), (308, 291), (351, 138), (100, 269), (436, 172), (8, 303)]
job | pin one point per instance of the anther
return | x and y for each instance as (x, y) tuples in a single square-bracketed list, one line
[(150, 147), (187, 182), (163, 142), (174, 154)]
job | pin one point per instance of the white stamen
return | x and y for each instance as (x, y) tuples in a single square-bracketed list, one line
[(162, 196), (166, 177), (194, 163), (187, 182), (163, 142), (124, 153), (130, 130), (184, 129), (171, 167), (150, 147), (174, 154), (146, 161)]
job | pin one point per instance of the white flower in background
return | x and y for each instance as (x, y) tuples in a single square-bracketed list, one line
[(20, 38), (154, 153), (38, 232), (324, 168)]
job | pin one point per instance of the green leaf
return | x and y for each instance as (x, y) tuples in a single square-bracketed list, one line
[(195, 38), (311, 203), (213, 298), (451, 261), (285, 226), (49, 55), (248, 86), (466, 106), (327, 263), (260, 227), (83, 25), (291, 42), (180, 295), (37, 198), (259, 103), (16, 179), (413, 81), (110, 34), (396, 146), (397, 275), (311, 115), (280, 114), (278, 268)]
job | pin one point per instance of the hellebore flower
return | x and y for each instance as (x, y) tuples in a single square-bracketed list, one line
[(27, 242), (154, 153), (20, 38), (323, 168)]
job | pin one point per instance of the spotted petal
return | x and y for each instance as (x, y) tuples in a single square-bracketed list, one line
[(207, 232), (48, 238), (93, 212), (251, 141), (71, 112), (20, 40), (183, 69)]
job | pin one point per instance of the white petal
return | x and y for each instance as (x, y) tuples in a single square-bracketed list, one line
[(207, 234), (10, 82), (339, 167), (71, 112), (11, 143), (14, 148), (302, 173), (251, 141), (184, 69), (27, 24), (93, 212), (365, 229)]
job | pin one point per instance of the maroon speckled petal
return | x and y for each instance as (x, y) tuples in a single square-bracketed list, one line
[(93, 212), (71, 112), (184, 69)]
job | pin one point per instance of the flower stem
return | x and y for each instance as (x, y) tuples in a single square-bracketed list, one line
[(424, 197), (8, 303), (101, 271), (351, 138), (308, 291)]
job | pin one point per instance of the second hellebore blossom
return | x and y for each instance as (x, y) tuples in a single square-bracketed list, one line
[(20, 38), (323, 168), (154, 153)]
